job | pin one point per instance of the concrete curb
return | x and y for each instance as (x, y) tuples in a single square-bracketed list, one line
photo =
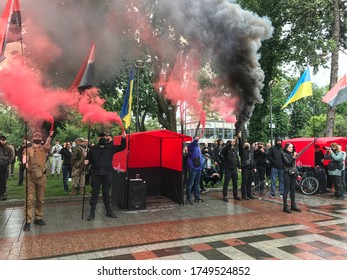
[(59, 199), (62, 199)]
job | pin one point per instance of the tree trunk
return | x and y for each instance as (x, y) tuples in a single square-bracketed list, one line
[(166, 113), (334, 67)]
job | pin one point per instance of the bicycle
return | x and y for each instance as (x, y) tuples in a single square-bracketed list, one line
[(307, 182)]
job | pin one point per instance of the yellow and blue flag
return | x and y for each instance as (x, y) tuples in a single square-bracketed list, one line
[(302, 89), (128, 99)]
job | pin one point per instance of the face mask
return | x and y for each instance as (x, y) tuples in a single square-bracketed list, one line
[(102, 141), (37, 141), (246, 148)]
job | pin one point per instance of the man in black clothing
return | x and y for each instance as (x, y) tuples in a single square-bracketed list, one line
[(260, 158), (231, 163), (100, 158), (319, 167), (247, 169), (219, 164), (277, 168), (66, 153)]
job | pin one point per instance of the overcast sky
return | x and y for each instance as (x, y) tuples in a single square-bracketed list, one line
[(322, 78)]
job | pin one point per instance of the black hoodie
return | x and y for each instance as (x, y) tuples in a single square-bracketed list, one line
[(275, 155)]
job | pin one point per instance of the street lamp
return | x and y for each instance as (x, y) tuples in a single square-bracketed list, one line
[(271, 83), (138, 64)]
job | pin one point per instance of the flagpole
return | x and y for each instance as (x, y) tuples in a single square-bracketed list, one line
[(271, 83), (85, 173), (26, 172), (139, 64)]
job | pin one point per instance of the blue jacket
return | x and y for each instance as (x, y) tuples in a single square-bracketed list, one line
[(194, 152)]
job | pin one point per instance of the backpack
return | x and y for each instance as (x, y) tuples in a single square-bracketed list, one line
[(4, 156)]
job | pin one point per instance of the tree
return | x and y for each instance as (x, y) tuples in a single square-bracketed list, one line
[(301, 36), (334, 63)]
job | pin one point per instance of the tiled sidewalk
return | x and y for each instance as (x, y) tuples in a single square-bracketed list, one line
[(213, 229)]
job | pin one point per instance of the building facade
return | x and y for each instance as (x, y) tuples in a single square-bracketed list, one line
[(214, 129)]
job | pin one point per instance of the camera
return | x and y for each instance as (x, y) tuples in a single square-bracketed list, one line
[(327, 148)]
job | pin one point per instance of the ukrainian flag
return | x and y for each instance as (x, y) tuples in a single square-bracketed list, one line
[(128, 99), (303, 88)]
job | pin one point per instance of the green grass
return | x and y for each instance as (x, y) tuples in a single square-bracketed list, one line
[(54, 187)]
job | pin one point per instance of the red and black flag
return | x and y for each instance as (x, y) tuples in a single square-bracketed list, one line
[(10, 25), (85, 78)]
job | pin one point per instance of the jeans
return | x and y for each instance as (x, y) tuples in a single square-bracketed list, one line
[(276, 172), (66, 174), (194, 180)]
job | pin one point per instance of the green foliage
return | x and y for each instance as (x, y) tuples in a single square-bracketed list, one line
[(54, 188), (11, 125), (317, 125), (295, 41)]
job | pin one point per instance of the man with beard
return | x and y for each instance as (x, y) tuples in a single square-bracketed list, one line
[(275, 158), (100, 158)]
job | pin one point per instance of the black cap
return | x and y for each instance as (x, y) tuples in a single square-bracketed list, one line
[(3, 137), (101, 134)]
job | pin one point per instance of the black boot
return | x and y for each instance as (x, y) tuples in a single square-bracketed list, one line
[(109, 212), (285, 205), (295, 208), (286, 209), (92, 213)]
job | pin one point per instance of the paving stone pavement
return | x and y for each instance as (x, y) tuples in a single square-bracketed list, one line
[(256, 229)]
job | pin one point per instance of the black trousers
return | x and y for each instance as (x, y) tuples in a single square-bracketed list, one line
[(230, 174), (3, 179), (260, 183), (246, 185), (289, 186), (21, 174), (104, 182), (337, 185)]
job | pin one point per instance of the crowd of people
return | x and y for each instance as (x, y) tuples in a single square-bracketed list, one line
[(259, 165), (79, 162), (203, 165)]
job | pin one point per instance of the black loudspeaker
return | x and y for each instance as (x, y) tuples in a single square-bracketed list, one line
[(137, 194)]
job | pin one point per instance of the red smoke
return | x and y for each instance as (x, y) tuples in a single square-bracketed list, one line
[(23, 89), (90, 107), (39, 47), (182, 85), (224, 105)]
